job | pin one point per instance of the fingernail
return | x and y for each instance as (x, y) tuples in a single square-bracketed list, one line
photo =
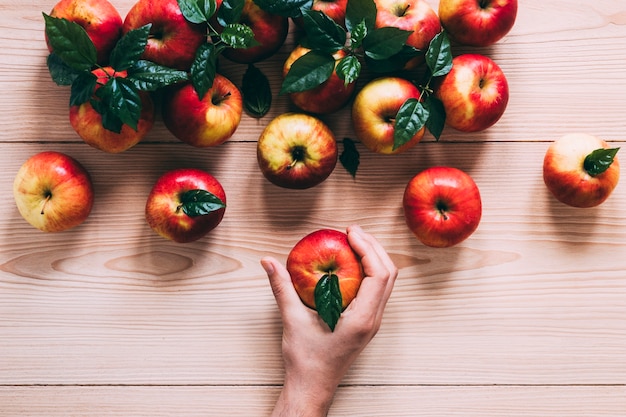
[(267, 266)]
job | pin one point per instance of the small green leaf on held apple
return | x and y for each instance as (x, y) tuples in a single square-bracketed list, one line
[(200, 202), (308, 71), (204, 68), (410, 119), (323, 33), (197, 11), (129, 48), (439, 55), (350, 157), (328, 299), (256, 91), (70, 42), (599, 160)]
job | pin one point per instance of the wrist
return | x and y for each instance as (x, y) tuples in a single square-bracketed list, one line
[(304, 396)]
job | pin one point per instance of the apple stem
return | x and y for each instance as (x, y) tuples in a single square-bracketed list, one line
[(45, 202), (217, 99), (443, 209)]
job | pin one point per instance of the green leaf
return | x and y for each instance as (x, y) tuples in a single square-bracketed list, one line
[(60, 72), (287, 8), (230, 12), (148, 76), (308, 71), (411, 117), (599, 160), (323, 33), (110, 120), (328, 299), (129, 48), (348, 69), (350, 157), (83, 88), (439, 55), (200, 202), (360, 11), (257, 94), (381, 44), (204, 68), (436, 116), (358, 33), (197, 11), (121, 100), (239, 36), (393, 63), (70, 42)]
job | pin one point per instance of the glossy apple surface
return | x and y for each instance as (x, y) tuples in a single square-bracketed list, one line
[(326, 98), (475, 93), (207, 122), (173, 40), (87, 122), (374, 112), (99, 18), (566, 177), (296, 150), (164, 212), (442, 206), (477, 22), (324, 251), (53, 191)]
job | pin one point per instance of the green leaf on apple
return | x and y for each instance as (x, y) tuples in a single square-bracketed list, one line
[(358, 33), (70, 42), (204, 68), (82, 88), (148, 76), (61, 73), (230, 12), (599, 160), (199, 203), (129, 48), (350, 157), (120, 101), (323, 33), (197, 11), (308, 71), (287, 8), (439, 55), (411, 117), (436, 116), (348, 69), (362, 12), (238, 36), (257, 94), (328, 299), (383, 43)]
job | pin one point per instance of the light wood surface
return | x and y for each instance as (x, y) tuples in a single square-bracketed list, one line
[(525, 318)]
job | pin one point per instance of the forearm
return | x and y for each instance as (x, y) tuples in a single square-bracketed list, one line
[(299, 398)]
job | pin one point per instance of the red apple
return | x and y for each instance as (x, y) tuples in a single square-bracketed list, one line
[(173, 40), (474, 93), (374, 111), (570, 170), (185, 204), (270, 31), (318, 257), (442, 206), (477, 22), (99, 18), (207, 122), (53, 191), (87, 122), (326, 98), (296, 151), (335, 9)]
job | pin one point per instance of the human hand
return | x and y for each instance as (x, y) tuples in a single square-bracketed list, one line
[(316, 358)]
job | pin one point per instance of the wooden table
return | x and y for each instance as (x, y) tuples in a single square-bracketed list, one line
[(525, 318)]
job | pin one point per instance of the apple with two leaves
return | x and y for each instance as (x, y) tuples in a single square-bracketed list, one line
[(100, 19), (185, 204), (581, 170), (326, 273), (207, 121), (296, 150), (477, 22), (442, 206), (53, 191), (474, 94)]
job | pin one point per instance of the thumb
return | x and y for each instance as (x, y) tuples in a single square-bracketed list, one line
[(280, 282)]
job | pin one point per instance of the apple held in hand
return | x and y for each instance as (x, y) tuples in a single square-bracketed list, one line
[(325, 272), (581, 170), (477, 22), (87, 122), (474, 93), (99, 18), (296, 151), (374, 112), (205, 122), (173, 40), (185, 204), (53, 191), (442, 206)]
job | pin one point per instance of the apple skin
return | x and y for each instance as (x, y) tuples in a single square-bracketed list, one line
[(477, 22), (207, 122), (442, 206), (163, 212), (53, 191), (99, 18), (374, 110), (296, 150), (173, 40), (335, 9), (326, 98), (270, 30), (319, 253), (475, 93), (565, 176), (87, 122)]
